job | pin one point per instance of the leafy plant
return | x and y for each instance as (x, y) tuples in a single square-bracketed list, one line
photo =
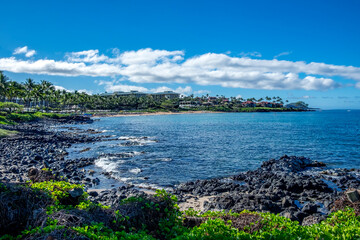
[(58, 190)]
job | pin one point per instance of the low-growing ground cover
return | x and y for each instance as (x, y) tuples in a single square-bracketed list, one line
[(59, 210), (13, 118), (6, 133)]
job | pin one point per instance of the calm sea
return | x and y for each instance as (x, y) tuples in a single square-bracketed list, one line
[(165, 150)]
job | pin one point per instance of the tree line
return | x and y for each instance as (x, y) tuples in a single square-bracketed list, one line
[(45, 96)]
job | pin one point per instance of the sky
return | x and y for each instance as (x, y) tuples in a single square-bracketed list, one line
[(298, 50)]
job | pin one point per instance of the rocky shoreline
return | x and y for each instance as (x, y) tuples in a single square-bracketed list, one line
[(295, 187), (36, 146)]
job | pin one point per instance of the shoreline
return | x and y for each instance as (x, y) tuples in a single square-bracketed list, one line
[(134, 114), (286, 186)]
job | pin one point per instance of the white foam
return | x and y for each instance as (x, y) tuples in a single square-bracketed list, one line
[(104, 131), (152, 186), (107, 164), (125, 179), (166, 159), (135, 170), (142, 139), (137, 153), (126, 137)]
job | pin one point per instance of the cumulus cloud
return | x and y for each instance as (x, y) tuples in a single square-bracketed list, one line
[(115, 86), (24, 50), (162, 66), (90, 56), (61, 88)]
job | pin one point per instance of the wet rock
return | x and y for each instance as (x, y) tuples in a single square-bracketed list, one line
[(93, 193), (272, 187), (310, 220), (76, 192), (310, 208)]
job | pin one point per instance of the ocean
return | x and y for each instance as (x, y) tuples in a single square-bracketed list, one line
[(161, 151)]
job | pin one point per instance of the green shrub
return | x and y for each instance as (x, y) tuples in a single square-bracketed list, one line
[(5, 121), (50, 115), (10, 106), (214, 229), (170, 225), (58, 190), (21, 117), (99, 231)]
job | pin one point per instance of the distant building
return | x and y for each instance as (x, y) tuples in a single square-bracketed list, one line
[(189, 104), (266, 104), (248, 104), (131, 93), (165, 95), (137, 94)]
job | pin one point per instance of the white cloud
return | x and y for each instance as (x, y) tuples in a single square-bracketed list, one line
[(89, 92), (149, 57), (111, 86), (162, 66), (357, 85), (182, 90), (282, 54), (114, 86), (61, 88), (24, 50), (251, 54), (202, 92), (89, 56)]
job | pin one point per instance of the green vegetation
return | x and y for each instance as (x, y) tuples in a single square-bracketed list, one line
[(5, 121), (12, 117), (339, 225), (6, 133), (10, 107), (44, 96), (59, 190), (300, 104), (159, 217)]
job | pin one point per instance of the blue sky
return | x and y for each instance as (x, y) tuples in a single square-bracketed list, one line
[(299, 50)]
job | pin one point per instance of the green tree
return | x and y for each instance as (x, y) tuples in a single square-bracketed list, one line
[(3, 85)]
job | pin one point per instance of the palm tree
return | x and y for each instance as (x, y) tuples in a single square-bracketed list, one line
[(3, 85), (29, 88), (46, 89)]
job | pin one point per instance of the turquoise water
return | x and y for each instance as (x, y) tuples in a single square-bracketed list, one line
[(165, 150)]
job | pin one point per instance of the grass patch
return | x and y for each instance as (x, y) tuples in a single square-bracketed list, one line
[(12, 118), (5, 121), (7, 133)]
